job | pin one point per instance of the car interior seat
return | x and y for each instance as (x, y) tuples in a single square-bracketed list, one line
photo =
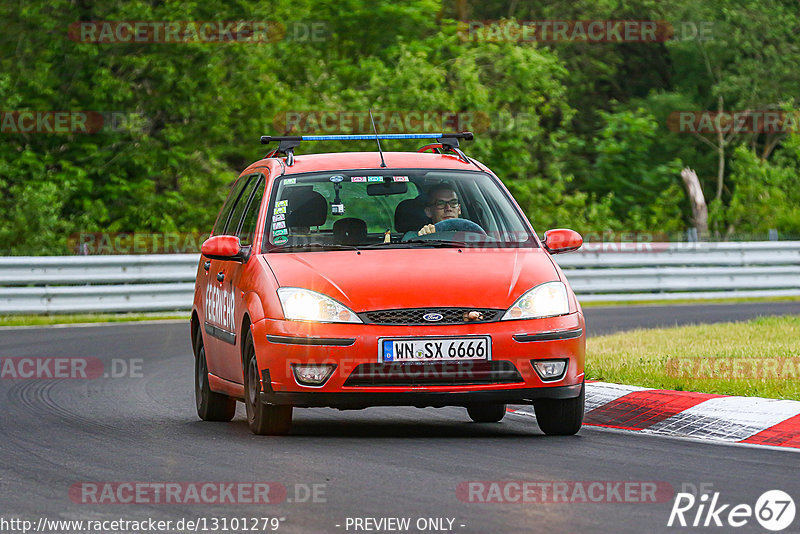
[(409, 215), (306, 207)]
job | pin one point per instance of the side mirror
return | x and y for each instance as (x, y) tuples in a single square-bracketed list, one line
[(225, 247), (562, 240)]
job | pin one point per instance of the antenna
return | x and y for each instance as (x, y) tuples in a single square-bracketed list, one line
[(383, 163)]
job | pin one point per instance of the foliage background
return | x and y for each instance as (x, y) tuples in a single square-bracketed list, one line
[(593, 152)]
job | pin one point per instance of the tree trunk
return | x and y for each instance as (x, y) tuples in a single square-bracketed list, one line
[(461, 10), (720, 152), (697, 201)]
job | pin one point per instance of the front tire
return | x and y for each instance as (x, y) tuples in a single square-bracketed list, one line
[(560, 417), (264, 419), (486, 413), (211, 406)]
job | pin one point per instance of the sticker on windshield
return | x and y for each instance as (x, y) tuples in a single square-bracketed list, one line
[(278, 225), (358, 179), (290, 181), (400, 178), (278, 217), (282, 209), (374, 178), (281, 203), (283, 231), (336, 178), (280, 240)]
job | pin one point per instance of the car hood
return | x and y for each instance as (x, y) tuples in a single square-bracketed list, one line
[(416, 278)]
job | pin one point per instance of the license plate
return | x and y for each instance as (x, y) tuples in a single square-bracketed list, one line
[(436, 349)]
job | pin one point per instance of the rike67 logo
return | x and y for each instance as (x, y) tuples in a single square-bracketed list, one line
[(774, 510)]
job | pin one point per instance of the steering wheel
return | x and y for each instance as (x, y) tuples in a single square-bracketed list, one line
[(458, 225)]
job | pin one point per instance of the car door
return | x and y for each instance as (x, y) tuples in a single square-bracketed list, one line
[(239, 275), (221, 331)]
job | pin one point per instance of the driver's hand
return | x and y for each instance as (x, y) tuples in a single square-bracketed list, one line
[(427, 229)]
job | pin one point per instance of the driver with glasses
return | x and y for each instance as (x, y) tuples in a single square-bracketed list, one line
[(442, 204)]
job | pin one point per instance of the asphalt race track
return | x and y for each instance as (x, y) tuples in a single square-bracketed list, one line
[(376, 463)]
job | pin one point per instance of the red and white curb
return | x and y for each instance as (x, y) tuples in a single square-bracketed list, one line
[(697, 415)]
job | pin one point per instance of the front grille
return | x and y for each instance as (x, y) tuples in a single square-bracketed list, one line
[(414, 316), (433, 374)]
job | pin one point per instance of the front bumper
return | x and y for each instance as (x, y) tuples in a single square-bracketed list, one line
[(352, 347), (419, 399)]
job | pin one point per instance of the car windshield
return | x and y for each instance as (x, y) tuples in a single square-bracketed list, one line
[(392, 209)]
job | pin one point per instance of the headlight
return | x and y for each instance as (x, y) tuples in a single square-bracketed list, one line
[(305, 305), (545, 300)]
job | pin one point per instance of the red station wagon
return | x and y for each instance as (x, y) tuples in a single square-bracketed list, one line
[(361, 279)]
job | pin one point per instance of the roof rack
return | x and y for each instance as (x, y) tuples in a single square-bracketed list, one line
[(287, 143)]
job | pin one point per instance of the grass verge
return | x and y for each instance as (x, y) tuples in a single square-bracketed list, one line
[(43, 320), (759, 358)]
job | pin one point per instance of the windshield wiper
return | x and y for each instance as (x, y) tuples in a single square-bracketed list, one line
[(316, 246), (435, 242), (415, 243)]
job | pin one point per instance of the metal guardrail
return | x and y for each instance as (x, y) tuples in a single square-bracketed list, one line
[(673, 271), (92, 284), (597, 272)]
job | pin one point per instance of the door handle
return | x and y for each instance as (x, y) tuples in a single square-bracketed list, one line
[(207, 265), (220, 276)]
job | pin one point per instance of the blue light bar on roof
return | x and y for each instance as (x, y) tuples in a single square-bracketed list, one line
[(369, 137), (293, 140), (447, 141)]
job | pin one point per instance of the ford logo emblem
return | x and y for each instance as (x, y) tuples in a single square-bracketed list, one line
[(433, 317)]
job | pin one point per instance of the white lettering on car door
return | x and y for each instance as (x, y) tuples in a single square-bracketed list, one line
[(219, 305)]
